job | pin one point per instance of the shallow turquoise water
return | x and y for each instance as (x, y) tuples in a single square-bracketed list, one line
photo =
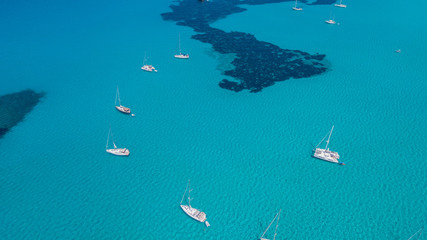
[(247, 155)]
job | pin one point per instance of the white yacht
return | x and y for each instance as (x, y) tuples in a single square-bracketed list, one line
[(115, 151), (326, 154), (277, 225), (119, 107), (181, 55), (330, 21), (341, 5), (397, 51), (295, 7), (146, 67), (190, 211)]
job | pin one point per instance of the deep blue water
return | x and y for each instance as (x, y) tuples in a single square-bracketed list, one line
[(247, 155)]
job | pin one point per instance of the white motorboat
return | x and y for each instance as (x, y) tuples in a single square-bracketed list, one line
[(277, 225), (295, 7), (190, 211), (341, 5), (115, 151), (181, 55), (119, 107), (326, 154)]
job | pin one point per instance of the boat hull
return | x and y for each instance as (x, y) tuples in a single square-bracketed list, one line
[(326, 155), (330, 22), (194, 213), (297, 9), (148, 68), (181, 56), (123, 109), (341, 5), (118, 151)]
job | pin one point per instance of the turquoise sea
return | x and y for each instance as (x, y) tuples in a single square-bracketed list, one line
[(247, 154)]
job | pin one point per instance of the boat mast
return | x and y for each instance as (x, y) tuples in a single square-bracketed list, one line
[(179, 43), (108, 138), (296, 1), (112, 138), (189, 191), (277, 225), (182, 199), (419, 231), (118, 96), (327, 142), (270, 224)]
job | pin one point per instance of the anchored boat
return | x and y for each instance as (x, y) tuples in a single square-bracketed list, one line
[(115, 151), (326, 154), (341, 5), (121, 108), (195, 214), (295, 7), (181, 55), (146, 67)]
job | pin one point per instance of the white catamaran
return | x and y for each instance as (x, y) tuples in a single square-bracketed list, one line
[(190, 211), (115, 150), (121, 108), (146, 67), (326, 154), (277, 224), (295, 7), (181, 55), (341, 5)]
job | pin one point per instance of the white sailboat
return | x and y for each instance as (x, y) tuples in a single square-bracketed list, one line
[(295, 7), (326, 154), (277, 224), (330, 21), (121, 108), (190, 211), (341, 5), (181, 55), (115, 151), (146, 67)]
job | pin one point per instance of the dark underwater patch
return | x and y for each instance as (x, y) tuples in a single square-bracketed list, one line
[(258, 64), (14, 107), (322, 2)]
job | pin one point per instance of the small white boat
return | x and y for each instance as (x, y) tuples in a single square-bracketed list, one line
[(398, 50), (146, 67), (295, 7), (115, 151), (326, 154), (149, 68), (277, 225), (190, 211), (121, 108), (181, 55), (330, 21), (341, 5)]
